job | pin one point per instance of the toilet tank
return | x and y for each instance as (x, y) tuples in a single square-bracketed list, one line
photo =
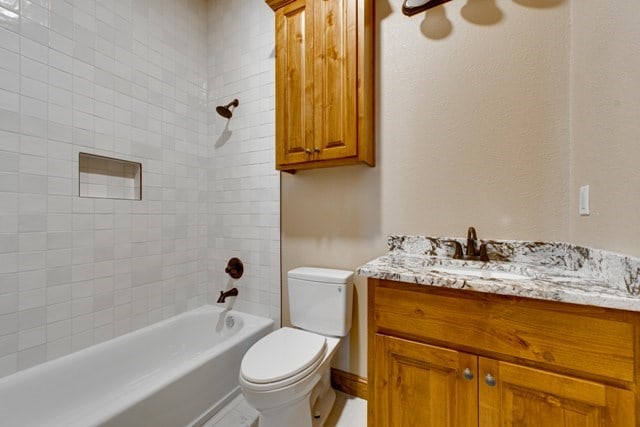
[(321, 299)]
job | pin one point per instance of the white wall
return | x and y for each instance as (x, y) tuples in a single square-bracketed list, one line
[(120, 78), (244, 187), (132, 80), (605, 107)]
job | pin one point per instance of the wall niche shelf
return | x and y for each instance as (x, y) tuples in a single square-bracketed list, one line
[(108, 178)]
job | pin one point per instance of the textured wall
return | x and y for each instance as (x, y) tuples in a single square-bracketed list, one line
[(244, 187), (472, 127), (119, 78), (605, 107)]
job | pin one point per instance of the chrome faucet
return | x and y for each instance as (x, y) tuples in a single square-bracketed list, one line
[(233, 292)]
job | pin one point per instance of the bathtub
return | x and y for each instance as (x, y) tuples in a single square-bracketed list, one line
[(178, 372)]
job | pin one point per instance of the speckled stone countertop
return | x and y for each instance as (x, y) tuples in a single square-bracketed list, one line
[(554, 271)]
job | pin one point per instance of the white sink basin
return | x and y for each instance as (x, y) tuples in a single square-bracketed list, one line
[(484, 274)]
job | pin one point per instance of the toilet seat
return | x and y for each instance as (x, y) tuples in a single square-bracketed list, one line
[(282, 358)]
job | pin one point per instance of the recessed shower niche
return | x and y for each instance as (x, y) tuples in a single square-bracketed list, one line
[(109, 178)]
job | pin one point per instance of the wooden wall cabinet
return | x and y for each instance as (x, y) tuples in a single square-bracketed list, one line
[(442, 358), (324, 83)]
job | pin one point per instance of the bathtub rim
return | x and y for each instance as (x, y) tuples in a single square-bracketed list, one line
[(134, 393)]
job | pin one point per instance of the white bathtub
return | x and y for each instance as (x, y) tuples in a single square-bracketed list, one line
[(175, 373)]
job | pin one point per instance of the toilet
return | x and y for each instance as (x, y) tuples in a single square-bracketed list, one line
[(285, 376)]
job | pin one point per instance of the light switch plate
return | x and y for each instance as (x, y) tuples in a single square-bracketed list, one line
[(584, 200)]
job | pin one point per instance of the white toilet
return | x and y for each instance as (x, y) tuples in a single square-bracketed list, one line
[(285, 376)]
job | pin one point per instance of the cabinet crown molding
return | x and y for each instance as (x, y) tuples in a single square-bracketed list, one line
[(277, 4)]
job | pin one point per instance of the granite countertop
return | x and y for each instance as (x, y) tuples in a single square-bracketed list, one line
[(554, 271)]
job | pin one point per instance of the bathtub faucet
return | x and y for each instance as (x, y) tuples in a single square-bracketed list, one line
[(233, 292)]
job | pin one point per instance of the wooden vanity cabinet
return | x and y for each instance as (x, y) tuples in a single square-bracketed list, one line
[(440, 357), (418, 384), (324, 83)]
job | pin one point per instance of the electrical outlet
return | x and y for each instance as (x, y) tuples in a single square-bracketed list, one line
[(584, 200)]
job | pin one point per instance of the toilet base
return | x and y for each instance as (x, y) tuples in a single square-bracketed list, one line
[(321, 408), (295, 414), (310, 411)]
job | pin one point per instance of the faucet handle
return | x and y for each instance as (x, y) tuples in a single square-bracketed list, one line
[(484, 254), (457, 249), (234, 268)]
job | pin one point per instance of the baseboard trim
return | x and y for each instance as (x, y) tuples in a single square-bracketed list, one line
[(349, 383)]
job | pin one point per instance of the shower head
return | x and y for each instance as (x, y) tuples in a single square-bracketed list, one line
[(225, 110)]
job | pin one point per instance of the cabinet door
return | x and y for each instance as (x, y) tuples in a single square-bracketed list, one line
[(294, 77), (334, 79), (423, 386), (526, 397)]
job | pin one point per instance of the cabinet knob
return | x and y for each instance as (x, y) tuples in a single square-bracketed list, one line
[(317, 150), (490, 380), (308, 151), (467, 374)]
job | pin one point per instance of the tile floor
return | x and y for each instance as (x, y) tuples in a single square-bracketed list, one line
[(348, 411)]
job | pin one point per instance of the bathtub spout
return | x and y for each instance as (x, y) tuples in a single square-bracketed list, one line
[(233, 292)]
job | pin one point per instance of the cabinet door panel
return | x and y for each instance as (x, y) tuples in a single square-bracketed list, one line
[(527, 397), (294, 113), (335, 60), (422, 385)]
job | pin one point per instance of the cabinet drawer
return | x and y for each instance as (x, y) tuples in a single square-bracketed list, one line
[(554, 334)]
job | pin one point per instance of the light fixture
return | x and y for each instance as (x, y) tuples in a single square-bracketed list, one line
[(412, 7)]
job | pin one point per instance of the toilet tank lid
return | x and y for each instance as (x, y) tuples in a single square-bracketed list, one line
[(324, 275)]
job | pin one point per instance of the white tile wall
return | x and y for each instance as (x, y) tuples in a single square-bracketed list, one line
[(118, 78), (244, 188)]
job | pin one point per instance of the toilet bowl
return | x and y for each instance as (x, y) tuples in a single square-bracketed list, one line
[(285, 376)]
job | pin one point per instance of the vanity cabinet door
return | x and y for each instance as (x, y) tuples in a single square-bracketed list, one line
[(513, 395), (422, 385)]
